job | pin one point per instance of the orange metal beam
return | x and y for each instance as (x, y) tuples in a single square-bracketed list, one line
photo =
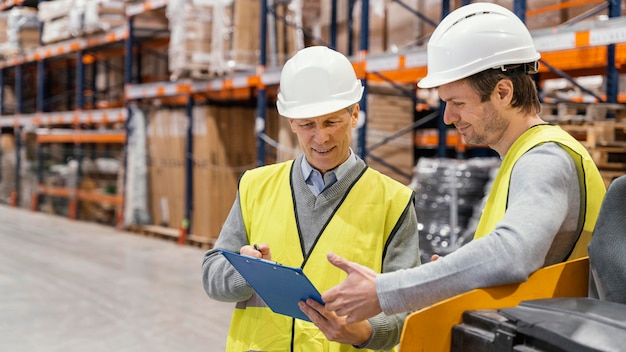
[(403, 75), (100, 198), (583, 58), (561, 6), (82, 138), (54, 191)]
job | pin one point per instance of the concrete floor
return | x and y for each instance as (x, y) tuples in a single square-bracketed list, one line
[(77, 286)]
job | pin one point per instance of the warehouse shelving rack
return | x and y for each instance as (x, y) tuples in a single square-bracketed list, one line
[(80, 114), (601, 43)]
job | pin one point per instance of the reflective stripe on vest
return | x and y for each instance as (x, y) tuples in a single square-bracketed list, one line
[(592, 187), (358, 231)]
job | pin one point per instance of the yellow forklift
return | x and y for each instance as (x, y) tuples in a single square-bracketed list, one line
[(578, 305)]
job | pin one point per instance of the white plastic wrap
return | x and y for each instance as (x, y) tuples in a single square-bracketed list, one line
[(136, 186)]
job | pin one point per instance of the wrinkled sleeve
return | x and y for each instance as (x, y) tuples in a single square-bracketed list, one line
[(543, 185), (219, 278)]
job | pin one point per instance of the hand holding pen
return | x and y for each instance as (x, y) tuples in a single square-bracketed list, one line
[(261, 250)]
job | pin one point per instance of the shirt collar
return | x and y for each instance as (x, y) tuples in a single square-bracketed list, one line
[(339, 171)]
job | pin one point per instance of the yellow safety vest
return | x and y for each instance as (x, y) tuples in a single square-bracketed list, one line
[(358, 231), (592, 187)]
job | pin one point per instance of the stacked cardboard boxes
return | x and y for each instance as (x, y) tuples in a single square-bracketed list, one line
[(224, 146)]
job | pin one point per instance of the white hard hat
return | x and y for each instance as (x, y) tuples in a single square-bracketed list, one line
[(317, 81), (474, 38)]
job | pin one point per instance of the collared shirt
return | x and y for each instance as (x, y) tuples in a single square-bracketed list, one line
[(318, 183)]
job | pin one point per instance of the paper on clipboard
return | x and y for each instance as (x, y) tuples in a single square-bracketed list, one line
[(281, 287)]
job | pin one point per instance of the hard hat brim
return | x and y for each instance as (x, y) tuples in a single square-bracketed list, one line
[(299, 110)]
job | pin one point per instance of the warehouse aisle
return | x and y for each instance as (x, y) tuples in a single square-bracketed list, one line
[(77, 286)]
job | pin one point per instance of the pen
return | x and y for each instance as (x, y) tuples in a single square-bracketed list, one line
[(256, 246)]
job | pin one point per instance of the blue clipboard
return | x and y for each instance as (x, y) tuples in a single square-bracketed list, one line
[(281, 287)]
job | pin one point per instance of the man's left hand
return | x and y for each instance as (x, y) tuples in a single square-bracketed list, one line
[(336, 328)]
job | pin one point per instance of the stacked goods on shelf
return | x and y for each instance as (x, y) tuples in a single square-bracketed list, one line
[(387, 114), (604, 138), (391, 26), (166, 133), (61, 20), (7, 167), (92, 193), (212, 38), (449, 193), (103, 177), (65, 19), (224, 147), (103, 15), (19, 31), (192, 49), (284, 35), (242, 53)]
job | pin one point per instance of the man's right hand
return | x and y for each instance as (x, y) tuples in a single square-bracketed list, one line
[(261, 250)]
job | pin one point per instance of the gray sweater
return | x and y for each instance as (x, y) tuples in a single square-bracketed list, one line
[(538, 229), (222, 282)]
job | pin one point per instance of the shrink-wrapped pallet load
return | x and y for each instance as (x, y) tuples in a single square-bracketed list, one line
[(103, 15), (19, 31), (215, 37), (61, 20)]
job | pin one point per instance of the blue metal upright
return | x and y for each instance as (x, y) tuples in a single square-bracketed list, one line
[(442, 142), (350, 26), (333, 24), (1, 91), (128, 53), (19, 108), (41, 85), (41, 107), (187, 224), (128, 79), (612, 72), (261, 92), (41, 90), (519, 9), (78, 147), (363, 49)]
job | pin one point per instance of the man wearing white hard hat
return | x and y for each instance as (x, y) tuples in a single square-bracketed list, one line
[(545, 199), (296, 212)]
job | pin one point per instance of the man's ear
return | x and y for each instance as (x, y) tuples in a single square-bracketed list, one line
[(355, 115), (504, 90), (292, 124)]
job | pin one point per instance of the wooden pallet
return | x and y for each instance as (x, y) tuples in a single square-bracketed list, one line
[(610, 133), (600, 133), (579, 113), (612, 158), (172, 234), (609, 175)]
